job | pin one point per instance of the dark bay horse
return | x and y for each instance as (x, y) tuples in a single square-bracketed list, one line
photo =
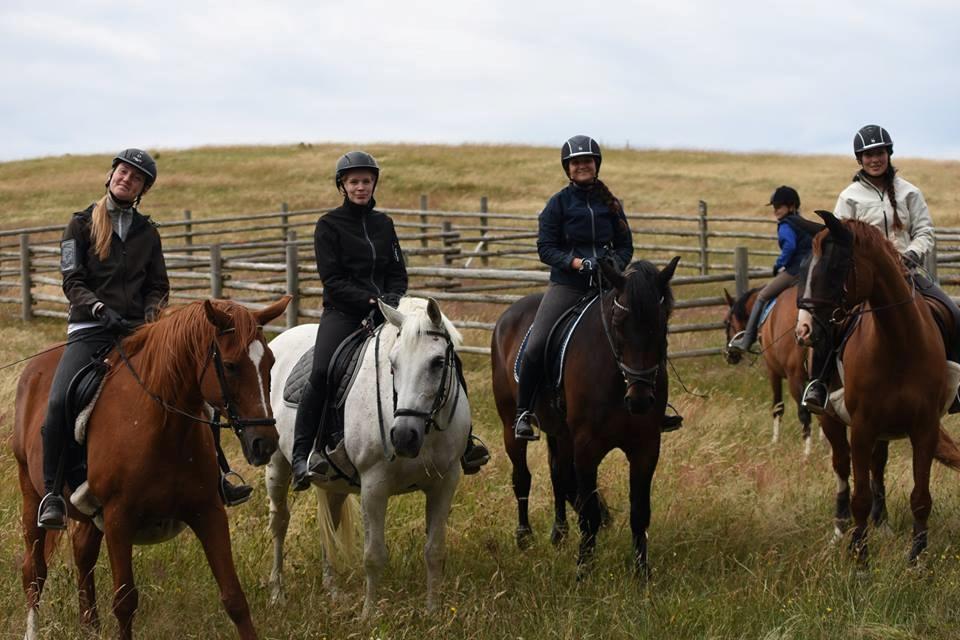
[(896, 382), (150, 456), (783, 357), (614, 396)]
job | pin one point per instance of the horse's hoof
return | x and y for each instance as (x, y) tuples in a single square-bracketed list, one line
[(277, 597), (558, 534), (524, 538)]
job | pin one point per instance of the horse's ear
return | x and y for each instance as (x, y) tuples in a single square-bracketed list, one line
[(663, 278), (726, 296), (217, 317), (272, 312), (611, 273), (837, 230), (393, 316), (433, 312)]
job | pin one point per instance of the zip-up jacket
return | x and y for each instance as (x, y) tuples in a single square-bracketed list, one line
[(358, 258), (861, 200), (795, 244), (132, 280), (576, 223)]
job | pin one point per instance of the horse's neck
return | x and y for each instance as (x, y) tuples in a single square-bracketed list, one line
[(893, 303)]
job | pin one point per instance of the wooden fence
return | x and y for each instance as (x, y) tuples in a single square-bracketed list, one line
[(470, 259)]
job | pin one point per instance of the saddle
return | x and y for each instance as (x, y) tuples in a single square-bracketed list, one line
[(341, 375), (557, 341), (82, 394)]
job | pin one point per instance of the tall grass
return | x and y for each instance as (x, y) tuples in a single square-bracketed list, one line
[(741, 539)]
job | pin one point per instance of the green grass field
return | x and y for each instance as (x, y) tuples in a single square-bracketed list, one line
[(740, 542)]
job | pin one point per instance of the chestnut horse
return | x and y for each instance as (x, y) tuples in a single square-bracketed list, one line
[(151, 458), (895, 377), (784, 358), (614, 396)]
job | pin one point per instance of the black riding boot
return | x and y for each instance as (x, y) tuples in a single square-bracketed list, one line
[(232, 494), (526, 390), (52, 513), (743, 341), (305, 434), (475, 456), (815, 395)]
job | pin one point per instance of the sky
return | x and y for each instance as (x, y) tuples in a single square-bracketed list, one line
[(793, 77)]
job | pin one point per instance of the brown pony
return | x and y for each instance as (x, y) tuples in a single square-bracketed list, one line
[(895, 377), (150, 458), (614, 396), (784, 358)]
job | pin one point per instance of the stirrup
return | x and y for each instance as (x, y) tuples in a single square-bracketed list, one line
[(475, 456), (531, 418), (734, 345), (813, 407), (234, 494), (52, 501), (672, 422)]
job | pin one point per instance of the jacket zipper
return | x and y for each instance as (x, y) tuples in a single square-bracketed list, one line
[(373, 252), (593, 228)]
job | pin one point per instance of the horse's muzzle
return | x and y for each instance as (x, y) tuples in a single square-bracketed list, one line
[(732, 356), (406, 436), (258, 448), (639, 401)]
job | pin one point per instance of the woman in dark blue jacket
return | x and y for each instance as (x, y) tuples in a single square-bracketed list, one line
[(795, 245), (580, 224)]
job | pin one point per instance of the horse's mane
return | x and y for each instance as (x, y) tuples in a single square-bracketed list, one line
[(170, 348), (867, 238), (739, 308), (642, 292), (417, 307)]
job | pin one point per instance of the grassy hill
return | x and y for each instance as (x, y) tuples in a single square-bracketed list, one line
[(741, 539)]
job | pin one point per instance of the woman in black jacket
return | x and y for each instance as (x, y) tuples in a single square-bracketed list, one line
[(580, 224)]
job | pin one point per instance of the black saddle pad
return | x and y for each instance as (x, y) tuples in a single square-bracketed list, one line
[(557, 342), (340, 376)]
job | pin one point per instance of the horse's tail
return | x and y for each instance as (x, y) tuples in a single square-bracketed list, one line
[(340, 540), (947, 451)]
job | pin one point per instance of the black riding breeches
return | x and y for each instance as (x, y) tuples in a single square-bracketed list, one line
[(930, 289), (57, 434), (557, 299)]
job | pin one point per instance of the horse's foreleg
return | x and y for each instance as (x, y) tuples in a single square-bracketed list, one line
[(796, 391), (86, 550), (434, 551), (558, 480), (588, 508), (836, 433), (277, 478), (878, 513), (517, 451), (119, 533), (643, 462), (861, 450), (212, 529), (776, 386), (34, 569), (920, 501), (373, 501)]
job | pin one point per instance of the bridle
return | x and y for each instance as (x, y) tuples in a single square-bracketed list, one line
[(646, 377), (234, 420)]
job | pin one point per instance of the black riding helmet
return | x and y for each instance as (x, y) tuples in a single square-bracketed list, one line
[(579, 146), (140, 160), (870, 137), (356, 160)]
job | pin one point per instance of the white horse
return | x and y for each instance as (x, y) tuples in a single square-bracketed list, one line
[(414, 446)]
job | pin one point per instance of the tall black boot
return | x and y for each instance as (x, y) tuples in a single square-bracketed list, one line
[(305, 433), (748, 336), (815, 395), (52, 513), (530, 372)]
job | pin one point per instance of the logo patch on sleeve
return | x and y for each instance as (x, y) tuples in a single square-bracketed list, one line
[(68, 255)]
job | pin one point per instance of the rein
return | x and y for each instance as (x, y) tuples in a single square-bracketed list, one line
[(630, 375), (213, 354)]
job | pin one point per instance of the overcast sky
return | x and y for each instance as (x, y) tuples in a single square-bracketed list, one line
[(797, 76)]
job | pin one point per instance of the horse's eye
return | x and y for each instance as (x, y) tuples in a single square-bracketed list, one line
[(437, 363), (230, 367)]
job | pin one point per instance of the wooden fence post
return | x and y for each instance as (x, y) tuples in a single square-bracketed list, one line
[(25, 280), (704, 261), (741, 270), (293, 280), (485, 260), (216, 272), (423, 219), (188, 230), (284, 222)]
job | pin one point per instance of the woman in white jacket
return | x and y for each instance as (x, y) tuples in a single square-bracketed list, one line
[(879, 197)]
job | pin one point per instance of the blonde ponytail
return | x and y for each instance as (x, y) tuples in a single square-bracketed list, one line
[(101, 229)]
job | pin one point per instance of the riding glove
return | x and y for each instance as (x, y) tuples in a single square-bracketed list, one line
[(112, 320), (391, 299), (911, 259)]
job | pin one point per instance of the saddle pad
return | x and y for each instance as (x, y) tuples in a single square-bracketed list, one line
[(557, 342), (766, 312), (293, 389), (343, 370)]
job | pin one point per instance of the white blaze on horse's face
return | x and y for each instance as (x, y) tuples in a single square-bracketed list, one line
[(256, 351)]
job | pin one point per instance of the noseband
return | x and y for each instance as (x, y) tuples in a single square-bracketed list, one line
[(443, 392)]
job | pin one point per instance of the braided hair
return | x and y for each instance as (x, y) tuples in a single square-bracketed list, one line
[(615, 206), (888, 179)]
